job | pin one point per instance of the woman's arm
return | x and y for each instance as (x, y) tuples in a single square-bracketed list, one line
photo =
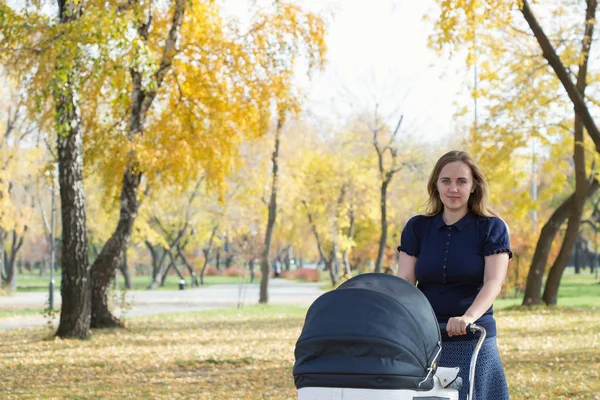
[(496, 266), (406, 267)]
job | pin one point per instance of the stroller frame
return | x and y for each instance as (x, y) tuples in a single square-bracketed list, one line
[(473, 328)]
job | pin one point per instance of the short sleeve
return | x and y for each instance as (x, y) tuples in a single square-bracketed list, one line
[(409, 242), (497, 239)]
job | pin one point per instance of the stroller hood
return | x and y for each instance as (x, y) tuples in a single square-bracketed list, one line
[(375, 331)]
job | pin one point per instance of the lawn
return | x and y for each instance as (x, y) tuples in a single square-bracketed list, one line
[(248, 354), (548, 353), (580, 291), (29, 283)]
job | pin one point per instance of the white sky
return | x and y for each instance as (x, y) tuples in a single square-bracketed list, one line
[(379, 48)]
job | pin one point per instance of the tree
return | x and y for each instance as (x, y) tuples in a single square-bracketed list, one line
[(56, 61), (76, 277), (215, 86), (142, 98), (17, 170), (389, 164), (265, 262), (581, 185), (460, 23), (331, 179), (167, 221), (51, 65)]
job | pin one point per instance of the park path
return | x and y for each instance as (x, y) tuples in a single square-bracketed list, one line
[(142, 303)]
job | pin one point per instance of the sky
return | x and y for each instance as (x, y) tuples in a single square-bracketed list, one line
[(378, 49)]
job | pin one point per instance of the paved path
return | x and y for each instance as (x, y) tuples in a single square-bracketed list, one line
[(143, 303)]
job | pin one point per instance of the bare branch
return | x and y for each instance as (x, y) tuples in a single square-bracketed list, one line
[(398, 126)]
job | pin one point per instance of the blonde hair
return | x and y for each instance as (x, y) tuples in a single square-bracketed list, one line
[(478, 201)]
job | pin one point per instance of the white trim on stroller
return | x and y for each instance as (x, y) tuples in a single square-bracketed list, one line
[(440, 391)]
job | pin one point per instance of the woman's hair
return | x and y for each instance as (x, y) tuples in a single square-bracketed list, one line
[(478, 201)]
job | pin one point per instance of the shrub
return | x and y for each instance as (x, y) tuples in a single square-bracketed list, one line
[(307, 274), (287, 274), (212, 271), (234, 270)]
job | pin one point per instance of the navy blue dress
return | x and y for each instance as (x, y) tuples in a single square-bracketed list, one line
[(449, 271)]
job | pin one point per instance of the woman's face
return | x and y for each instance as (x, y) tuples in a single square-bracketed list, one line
[(455, 185)]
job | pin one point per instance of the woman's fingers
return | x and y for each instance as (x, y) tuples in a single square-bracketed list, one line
[(457, 326)]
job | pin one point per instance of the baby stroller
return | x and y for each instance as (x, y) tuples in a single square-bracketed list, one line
[(374, 338)]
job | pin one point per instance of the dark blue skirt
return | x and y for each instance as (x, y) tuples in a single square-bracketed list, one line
[(490, 381)]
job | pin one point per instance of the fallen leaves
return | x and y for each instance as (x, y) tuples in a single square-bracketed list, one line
[(249, 354)]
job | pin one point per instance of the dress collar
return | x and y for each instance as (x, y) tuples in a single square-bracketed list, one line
[(459, 225)]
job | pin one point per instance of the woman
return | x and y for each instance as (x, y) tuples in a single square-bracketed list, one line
[(457, 255)]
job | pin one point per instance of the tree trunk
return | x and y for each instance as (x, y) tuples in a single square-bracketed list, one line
[(218, 259), (191, 270), (125, 271), (576, 256), (161, 273), (550, 296), (174, 265), (3, 261), (165, 275), (104, 269), (555, 274), (228, 254), (265, 266), (251, 268), (228, 260), (287, 257), (155, 259), (203, 270), (330, 263), (384, 224), (10, 259), (575, 92), (95, 251), (76, 277), (386, 175), (141, 99), (346, 256), (207, 250), (535, 276)]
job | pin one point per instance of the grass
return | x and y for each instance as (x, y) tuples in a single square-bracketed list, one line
[(27, 283), (248, 354), (579, 291), (20, 312)]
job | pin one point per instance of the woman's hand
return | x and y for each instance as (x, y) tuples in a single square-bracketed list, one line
[(458, 325)]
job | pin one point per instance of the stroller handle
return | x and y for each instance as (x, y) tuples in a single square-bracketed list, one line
[(471, 328)]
